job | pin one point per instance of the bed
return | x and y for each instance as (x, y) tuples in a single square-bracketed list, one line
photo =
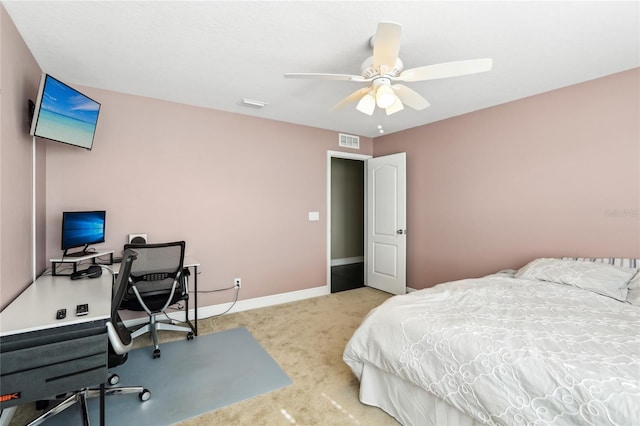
[(556, 342)]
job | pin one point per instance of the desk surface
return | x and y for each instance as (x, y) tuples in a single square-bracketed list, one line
[(190, 262), (35, 308)]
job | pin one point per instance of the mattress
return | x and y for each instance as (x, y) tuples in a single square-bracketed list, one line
[(501, 350), (406, 402)]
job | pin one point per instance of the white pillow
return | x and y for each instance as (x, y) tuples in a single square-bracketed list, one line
[(633, 293), (600, 278)]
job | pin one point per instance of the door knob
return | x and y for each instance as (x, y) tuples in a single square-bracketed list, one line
[(401, 231)]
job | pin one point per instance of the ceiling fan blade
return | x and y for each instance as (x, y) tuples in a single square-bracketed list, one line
[(386, 45), (355, 96), (410, 97), (447, 69), (320, 76)]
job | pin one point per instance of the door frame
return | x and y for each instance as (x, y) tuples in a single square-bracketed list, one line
[(348, 156)]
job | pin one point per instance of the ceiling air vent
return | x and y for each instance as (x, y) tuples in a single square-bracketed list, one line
[(349, 141)]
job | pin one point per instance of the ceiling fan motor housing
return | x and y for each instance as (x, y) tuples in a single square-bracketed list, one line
[(381, 81), (367, 70)]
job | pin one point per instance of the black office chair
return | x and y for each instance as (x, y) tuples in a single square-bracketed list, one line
[(120, 342), (157, 280)]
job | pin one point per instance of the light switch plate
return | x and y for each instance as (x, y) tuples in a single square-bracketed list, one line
[(313, 216)]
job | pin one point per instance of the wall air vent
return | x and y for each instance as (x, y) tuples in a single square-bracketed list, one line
[(349, 141)]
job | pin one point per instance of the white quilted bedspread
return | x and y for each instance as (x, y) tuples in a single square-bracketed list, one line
[(511, 351)]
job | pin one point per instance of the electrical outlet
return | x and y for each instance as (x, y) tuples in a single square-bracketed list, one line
[(237, 282)]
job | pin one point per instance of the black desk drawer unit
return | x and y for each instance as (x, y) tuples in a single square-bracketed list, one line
[(56, 360)]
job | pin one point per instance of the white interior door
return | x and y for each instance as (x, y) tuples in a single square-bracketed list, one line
[(386, 223)]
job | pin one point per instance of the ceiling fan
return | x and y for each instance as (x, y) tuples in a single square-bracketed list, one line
[(384, 70)]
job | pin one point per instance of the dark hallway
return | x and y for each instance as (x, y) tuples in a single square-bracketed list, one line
[(347, 277)]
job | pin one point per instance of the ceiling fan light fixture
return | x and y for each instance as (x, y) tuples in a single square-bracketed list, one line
[(395, 107), (367, 104), (385, 96)]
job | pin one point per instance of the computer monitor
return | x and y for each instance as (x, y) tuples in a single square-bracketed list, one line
[(81, 229)]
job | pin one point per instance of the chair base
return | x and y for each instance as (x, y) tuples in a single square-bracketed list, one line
[(84, 394), (77, 397), (152, 328)]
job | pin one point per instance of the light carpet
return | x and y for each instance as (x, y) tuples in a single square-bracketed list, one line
[(190, 378), (306, 338)]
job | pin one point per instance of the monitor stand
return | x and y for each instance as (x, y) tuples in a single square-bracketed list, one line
[(80, 253), (76, 258)]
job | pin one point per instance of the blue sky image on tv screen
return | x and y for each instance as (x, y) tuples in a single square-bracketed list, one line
[(66, 115), (82, 228)]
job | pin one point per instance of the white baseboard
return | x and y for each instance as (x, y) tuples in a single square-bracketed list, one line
[(242, 305), (261, 302), (347, 261)]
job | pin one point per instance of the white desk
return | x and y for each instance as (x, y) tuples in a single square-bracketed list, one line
[(35, 308), (41, 356), (190, 262)]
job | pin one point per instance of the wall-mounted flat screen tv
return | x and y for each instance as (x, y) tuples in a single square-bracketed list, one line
[(63, 114)]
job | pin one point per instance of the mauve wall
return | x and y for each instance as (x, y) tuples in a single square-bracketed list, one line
[(551, 175), (237, 189), (19, 79)]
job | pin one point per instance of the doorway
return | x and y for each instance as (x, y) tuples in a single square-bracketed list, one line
[(346, 224)]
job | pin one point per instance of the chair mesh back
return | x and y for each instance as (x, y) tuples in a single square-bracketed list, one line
[(156, 266)]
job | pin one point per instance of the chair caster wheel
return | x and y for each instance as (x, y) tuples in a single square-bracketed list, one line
[(156, 353), (113, 379), (189, 336), (144, 395)]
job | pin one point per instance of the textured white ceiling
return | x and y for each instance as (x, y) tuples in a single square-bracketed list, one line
[(213, 54)]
